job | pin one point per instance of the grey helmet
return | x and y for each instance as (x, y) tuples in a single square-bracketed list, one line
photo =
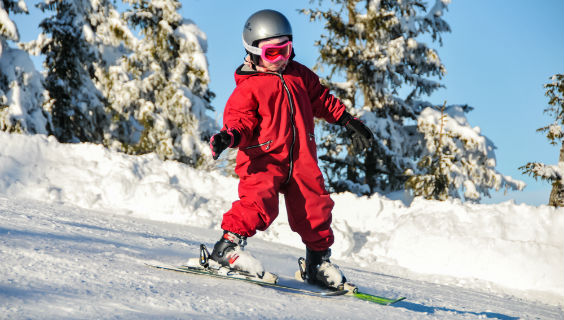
[(261, 25)]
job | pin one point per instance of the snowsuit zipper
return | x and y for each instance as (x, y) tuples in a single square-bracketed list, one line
[(293, 122), (260, 145)]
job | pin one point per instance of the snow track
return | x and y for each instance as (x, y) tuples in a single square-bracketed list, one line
[(61, 262)]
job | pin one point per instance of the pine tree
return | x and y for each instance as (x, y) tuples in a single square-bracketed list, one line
[(169, 69), (376, 47), (555, 134), (21, 90), (434, 183), (456, 159), (115, 42), (77, 107)]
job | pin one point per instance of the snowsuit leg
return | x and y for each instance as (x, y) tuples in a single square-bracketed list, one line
[(309, 208), (257, 206)]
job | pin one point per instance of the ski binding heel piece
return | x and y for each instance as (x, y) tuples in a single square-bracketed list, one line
[(301, 273), (204, 256)]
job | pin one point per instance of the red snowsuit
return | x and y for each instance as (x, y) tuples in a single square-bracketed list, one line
[(277, 152)]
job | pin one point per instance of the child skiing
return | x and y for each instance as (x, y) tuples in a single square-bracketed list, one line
[(270, 118)]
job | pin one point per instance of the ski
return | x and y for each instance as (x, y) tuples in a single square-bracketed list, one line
[(352, 290), (237, 276), (376, 299), (204, 266)]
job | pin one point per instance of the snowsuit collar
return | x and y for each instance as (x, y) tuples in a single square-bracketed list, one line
[(244, 71)]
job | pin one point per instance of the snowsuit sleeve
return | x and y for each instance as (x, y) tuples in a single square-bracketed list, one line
[(241, 113), (325, 105)]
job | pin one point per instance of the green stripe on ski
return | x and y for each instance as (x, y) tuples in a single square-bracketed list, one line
[(376, 299)]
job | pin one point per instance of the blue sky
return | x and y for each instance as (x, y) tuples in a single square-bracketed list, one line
[(498, 56)]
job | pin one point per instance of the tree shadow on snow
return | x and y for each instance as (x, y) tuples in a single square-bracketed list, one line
[(431, 310)]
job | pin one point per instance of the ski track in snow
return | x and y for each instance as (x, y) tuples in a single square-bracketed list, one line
[(61, 262)]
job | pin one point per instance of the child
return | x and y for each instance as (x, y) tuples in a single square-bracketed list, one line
[(270, 118)]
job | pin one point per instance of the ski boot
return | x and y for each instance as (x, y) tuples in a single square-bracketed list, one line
[(228, 252), (317, 269)]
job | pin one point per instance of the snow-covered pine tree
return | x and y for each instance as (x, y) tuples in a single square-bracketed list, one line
[(435, 182), (169, 67), (456, 159), (115, 42), (555, 134), (21, 91), (77, 107), (376, 47)]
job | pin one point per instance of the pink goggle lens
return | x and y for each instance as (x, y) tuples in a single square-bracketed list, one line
[(273, 53)]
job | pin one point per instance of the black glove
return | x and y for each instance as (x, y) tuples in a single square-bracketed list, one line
[(361, 136), (223, 140)]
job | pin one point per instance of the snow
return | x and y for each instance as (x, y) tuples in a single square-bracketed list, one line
[(21, 88), (77, 223), (24, 92), (467, 158), (189, 32), (8, 28)]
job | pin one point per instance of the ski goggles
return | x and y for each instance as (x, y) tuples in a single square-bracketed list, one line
[(272, 52)]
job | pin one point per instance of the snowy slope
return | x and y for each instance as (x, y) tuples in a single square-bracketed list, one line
[(449, 258), (61, 262)]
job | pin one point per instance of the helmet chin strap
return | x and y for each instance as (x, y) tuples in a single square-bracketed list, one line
[(249, 62)]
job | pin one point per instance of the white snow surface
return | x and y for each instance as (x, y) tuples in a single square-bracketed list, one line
[(78, 222), (8, 28)]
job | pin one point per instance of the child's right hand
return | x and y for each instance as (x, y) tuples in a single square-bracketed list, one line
[(223, 140)]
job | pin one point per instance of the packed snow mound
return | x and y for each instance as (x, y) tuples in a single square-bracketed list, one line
[(504, 248), (90, 176)]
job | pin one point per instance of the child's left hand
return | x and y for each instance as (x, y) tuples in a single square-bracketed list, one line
[(361, 136)]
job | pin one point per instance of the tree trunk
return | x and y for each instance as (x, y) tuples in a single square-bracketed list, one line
[(557, 193)]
